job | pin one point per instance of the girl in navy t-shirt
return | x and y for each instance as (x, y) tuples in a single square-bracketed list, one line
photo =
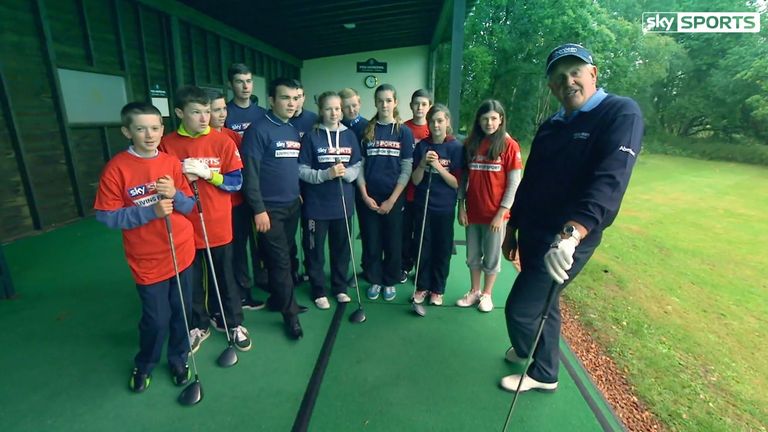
[(387, 164), (437, 163), (329, 162)]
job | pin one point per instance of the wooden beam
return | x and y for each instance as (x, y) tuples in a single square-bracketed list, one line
[(143, 51), (106, 151), (89, 51), (457, 54), (58, 102), (18, 149), (122, 54), (442, 23), (197, 18)]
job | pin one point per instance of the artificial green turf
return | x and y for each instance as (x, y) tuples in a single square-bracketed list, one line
[(69, 340), (70, 337), (398, 371)]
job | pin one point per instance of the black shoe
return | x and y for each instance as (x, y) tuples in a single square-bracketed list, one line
[(181, 374), (293, 328), (272, 307), (140, 381), (217, 322), (252, 304), (403, 277)]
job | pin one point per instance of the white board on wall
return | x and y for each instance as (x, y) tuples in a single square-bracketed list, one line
[(92, 97)]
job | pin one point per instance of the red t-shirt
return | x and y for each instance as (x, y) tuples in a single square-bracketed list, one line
[(419, 133), (129, 180), (237, 197), (488, 180), (219, 152)]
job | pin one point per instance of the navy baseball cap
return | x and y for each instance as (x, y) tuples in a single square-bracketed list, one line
[(570, 49)]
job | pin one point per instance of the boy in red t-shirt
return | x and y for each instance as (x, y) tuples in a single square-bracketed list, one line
[(137, 190), (242, 219), (421, 102), (212, 156)]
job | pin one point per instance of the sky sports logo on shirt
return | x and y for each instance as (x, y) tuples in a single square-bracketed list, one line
[(701, 22)]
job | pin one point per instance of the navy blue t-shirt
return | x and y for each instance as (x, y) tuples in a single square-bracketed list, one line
[(442, 197), (383, 155), (275, 146), (238, 119), (579, 170), (357, 125), (323, 201), (304, 122)]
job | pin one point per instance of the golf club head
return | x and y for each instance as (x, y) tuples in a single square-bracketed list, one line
[(228, 357), (357, 316), (192, 394), (419, 309)]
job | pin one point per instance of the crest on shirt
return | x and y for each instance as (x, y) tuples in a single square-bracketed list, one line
[(581, 135), (144, 195)]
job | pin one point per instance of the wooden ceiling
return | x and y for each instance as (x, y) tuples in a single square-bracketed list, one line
[(311, 29)]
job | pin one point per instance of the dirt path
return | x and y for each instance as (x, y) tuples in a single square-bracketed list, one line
[(607, 376)]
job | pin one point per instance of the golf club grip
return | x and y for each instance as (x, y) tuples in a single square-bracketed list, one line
[(197, 196)]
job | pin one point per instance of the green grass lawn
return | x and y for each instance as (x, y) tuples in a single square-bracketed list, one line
[(679, 297)]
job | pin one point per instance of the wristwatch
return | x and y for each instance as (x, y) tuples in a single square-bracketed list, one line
[(570, 231)]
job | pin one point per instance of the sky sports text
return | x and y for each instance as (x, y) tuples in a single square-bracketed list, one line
[(701, 22)]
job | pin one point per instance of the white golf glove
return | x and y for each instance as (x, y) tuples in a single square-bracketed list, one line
[(196, 168), (559, 259)]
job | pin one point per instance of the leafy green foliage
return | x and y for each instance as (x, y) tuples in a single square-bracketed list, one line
[(691, 85)]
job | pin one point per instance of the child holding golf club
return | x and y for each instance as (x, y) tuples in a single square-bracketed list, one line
[(138, 189), (329, 162), (494, 172), (437, 163), (421, 102), (212, 157), (387, 166)]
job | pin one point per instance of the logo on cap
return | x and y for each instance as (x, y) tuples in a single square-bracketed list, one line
[(566, 50)]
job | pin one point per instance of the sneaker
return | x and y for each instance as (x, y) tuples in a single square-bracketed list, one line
[(436, 299), (403, 277), (139, 381), (510, 383), (389, 293), (470, 299), (240, 338), (196, 338), (322, 303), (217, 322), (419, 297), (486, 303), (180, 374), (373, 291), (252, 304), (343, 298), (512, 357)]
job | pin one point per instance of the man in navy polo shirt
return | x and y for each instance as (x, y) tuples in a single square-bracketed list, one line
[(270, 152), (578, 170)]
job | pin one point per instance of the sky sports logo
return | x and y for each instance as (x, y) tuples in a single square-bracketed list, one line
[(701, 22)]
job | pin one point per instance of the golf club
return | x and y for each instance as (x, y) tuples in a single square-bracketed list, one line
[(528, 360), (419, 307), (228, 357), (193, 393), (357, 316)]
